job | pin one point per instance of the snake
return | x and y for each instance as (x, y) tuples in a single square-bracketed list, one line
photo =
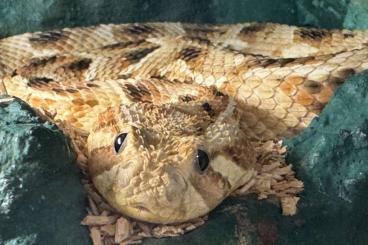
[(174, 112)]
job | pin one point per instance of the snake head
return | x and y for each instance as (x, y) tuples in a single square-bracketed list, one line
[(169, 162)]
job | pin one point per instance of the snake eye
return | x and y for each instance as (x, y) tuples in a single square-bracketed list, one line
[(202, 160), (119, 142)]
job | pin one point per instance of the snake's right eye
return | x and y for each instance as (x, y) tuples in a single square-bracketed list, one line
[(119, 142), (202, 160)]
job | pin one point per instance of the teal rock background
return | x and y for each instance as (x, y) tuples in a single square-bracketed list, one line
[(46, 206), (41, 198), (18, 16)]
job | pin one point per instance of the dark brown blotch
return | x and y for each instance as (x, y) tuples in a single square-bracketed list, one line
[(38, 81), (208, 108), (138, 92), (58, 90), (136, 55), (139, 29), (311, 33), (187, 98), (252, 29), (313, 87), (189, 53), (71, 90), (80, 65), (42, 61), (92, 85), (47, 37)]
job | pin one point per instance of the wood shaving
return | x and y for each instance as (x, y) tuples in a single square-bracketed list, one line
[(275, 178), (289, 205), (95, 236), (98, 220), (123, 229)]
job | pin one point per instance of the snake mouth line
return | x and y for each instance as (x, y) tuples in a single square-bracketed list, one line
[(141, 208)]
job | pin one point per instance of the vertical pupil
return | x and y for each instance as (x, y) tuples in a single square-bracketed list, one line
[(119, 141), (202, 160)]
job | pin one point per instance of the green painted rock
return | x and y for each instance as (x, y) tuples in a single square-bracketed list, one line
[(351, 14), (331, 157), (41, 198)]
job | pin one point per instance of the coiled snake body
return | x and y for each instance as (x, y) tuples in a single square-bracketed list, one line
[(174, 111)]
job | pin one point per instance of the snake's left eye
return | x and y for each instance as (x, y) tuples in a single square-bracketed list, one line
[(119, 142)]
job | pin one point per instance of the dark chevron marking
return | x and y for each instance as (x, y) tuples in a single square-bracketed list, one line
[(136, 55), (189, 53), (42, 61), (47, 37), (311, 34), (138, 92), (139, 29), (38, 81), (187, 98), (251, 29), (80, 65)]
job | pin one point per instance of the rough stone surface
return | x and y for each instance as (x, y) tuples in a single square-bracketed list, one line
[(350, 14), (331, 157), (41, 198), (321, 13), (357, 15), (17, 16)]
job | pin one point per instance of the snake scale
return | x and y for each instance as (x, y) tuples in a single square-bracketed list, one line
[(172, 110)]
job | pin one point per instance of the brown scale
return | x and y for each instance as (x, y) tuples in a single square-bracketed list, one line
[(136, 31), (138, 93), (48, 39), (251, 32), (114, 60), (314, 37), (54, 68), (203, 32)]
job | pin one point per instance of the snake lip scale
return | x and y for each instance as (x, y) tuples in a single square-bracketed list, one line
[(180, 116)]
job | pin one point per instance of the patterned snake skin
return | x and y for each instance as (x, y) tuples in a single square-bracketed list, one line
[(172, 110)]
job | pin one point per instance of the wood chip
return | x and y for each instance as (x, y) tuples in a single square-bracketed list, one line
[(96, 236), (123, 229), (98, 220), (109, 241), (289, 205), (108, 229), (145, 228)]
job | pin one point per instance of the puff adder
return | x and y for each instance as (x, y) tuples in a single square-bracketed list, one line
[(175, 112)]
